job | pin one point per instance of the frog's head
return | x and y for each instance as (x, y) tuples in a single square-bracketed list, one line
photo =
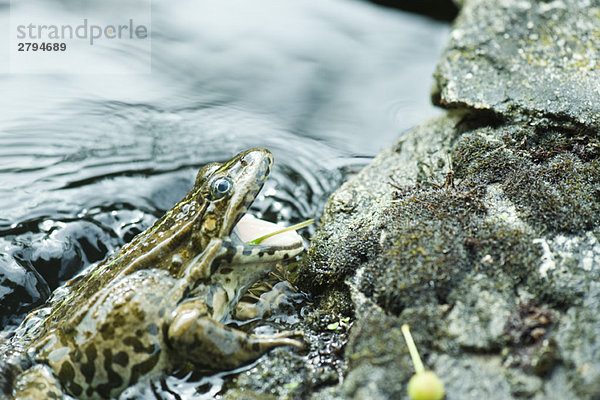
[(230, 188)]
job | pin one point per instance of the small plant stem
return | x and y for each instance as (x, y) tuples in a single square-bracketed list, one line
[(289, 228), (412, 349)]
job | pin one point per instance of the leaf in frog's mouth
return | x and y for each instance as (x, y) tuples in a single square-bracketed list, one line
[(249, 227), (281, 246)]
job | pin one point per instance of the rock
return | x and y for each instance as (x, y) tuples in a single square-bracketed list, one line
[(474, 377), (525, 58), (496, 273), (578, 334), (376, 336), (479, 325)]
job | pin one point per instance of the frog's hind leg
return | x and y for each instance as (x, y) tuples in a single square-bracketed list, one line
[(199, 339), (268, 302)]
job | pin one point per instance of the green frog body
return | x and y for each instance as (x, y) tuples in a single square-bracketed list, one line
[(162, 301)]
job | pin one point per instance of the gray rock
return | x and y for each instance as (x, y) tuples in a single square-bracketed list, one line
[(474, 377), (524, 57), (496, 274), (479, 325), (579, 334)]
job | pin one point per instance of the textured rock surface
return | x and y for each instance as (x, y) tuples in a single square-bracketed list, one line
[(496, 265), (515, 57), (497, 276)]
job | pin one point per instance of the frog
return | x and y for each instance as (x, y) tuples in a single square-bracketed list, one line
[(161, 302)]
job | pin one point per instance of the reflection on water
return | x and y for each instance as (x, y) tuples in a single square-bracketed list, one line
[(88, 161)]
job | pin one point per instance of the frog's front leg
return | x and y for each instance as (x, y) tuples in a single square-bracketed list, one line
[(199, 339), (36, 383)]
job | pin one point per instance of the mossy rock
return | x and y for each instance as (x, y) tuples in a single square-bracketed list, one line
[(489, 263)]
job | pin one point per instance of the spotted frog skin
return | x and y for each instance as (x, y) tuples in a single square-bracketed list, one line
[(160, 303)]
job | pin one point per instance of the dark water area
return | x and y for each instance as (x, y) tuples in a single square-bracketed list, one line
[(443, 10), (87, 161)]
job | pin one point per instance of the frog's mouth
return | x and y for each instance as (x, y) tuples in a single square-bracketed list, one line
[(237, 250)]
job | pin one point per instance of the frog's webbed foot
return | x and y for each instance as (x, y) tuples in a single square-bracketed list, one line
[(36, 383), (199, 339)]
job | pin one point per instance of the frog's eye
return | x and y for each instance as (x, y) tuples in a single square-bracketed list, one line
[(220, 187)]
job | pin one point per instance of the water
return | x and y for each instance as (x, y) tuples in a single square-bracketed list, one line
[(89, 160)]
